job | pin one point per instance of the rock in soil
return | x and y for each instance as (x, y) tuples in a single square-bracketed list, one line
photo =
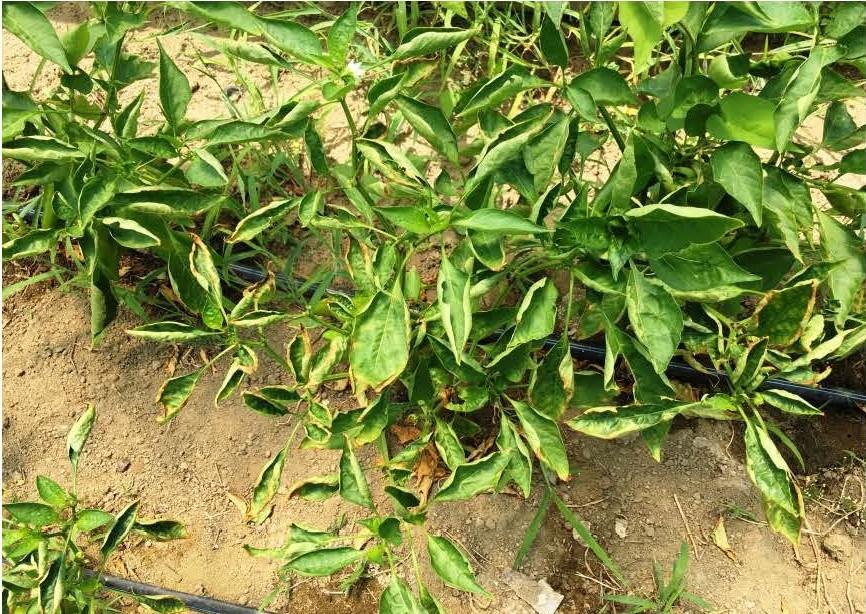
[(537, 593), (837, 546)]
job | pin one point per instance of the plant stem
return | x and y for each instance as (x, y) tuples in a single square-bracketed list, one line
[(354, 130), (614, 131)]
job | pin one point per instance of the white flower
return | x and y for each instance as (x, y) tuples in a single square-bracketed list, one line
[(356, 69)]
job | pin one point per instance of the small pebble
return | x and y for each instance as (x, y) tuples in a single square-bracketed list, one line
[(123, 465)]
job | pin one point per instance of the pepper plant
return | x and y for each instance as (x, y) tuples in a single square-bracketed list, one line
[(638, 174), (47, 566)]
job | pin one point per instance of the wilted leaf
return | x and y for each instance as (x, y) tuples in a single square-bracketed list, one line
[(544, 438), (123, 524), (353, 483), (424, 41), (473, 478), (324, 562), (552, 383), (612, 422), (317, 488), (78, 435), (161, 530), (266, 488), (379, 345), (720, 539)]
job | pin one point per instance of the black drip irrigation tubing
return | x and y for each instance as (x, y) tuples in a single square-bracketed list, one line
[(677, 369), (197, 603)]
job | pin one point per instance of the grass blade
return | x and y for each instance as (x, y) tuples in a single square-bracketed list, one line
[(589, 540), (18, 286), (533, 528)]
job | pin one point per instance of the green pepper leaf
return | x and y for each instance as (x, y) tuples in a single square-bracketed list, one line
[(379, 345), (655, 317), (174, 90), (452, 566)]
